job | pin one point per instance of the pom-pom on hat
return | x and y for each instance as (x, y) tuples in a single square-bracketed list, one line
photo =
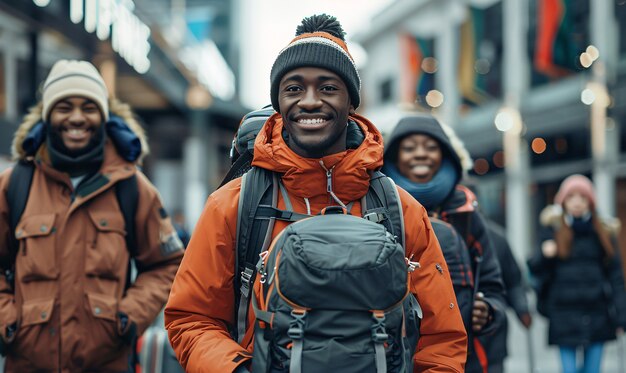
[(69, 78), (319, 42), (576, 183)]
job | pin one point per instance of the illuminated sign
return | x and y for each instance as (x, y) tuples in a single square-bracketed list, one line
[(114, 19)]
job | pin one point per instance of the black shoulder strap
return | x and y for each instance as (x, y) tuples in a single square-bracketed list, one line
[(259, 189), (127, 193), (383, 205), (17, 196)]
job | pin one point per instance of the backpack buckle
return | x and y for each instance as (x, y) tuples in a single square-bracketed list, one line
[(379, 334), (329, 210), (296, 326), (375, 216), (379, 337), (295, 333), (246, 276)]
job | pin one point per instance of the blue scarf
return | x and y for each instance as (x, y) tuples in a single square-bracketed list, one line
[(432, 193)]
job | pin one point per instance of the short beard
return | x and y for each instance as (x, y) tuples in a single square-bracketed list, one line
[(317, 150), (56, 141)]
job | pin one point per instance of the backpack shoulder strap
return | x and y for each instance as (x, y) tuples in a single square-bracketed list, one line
[(127, 194), (259, 189), (17, 197), (382, 204)]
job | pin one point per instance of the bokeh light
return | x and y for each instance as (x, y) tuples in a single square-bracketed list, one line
[(538, 145), (429, 65), (498, 159), (561, 145), (434, 98), (481, 166)]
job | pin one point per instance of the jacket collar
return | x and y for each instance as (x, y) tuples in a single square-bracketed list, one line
[(113, 168), (306, 178)]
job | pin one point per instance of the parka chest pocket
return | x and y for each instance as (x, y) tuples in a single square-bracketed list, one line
[(107, 256), (36, 259)]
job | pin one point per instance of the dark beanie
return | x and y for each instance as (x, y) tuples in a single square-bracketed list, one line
[(319, 42)]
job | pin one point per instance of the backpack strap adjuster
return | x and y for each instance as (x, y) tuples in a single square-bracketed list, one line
[(296, 326), (296, 333), (379, 334), (379, 337), (375, 216), (246, 276)]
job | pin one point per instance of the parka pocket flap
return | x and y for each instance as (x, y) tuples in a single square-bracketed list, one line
[(36, 311), (35, 225), (102, 306), (108, 221)]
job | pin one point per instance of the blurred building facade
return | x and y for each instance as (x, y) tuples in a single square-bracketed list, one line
[(536, 85), (173, 61)]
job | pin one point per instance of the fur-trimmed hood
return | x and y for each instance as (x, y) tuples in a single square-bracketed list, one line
[(116, 107), (551, 217)]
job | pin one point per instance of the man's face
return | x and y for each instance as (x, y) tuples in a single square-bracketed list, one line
[(419, 158), (315, 105), (76, 120)]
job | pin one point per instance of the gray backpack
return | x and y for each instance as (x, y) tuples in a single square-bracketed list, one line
[(334, 287)]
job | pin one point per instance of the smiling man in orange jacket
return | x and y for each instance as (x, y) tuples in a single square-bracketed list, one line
[(316, 133)]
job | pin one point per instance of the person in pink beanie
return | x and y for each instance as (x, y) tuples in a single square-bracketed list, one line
[(581, 286)]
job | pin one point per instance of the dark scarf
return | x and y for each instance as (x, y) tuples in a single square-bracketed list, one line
[(430, 194), (76, 162), (582, 225)]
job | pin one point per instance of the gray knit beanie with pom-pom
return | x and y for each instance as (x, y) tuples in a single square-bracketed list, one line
[(319, 42)]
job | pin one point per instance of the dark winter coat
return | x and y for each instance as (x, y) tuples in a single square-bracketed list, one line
[(495, 345), (459, 264), (585, 299), (460, 209)]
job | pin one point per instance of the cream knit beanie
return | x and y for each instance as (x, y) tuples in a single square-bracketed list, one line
[(74, 78)]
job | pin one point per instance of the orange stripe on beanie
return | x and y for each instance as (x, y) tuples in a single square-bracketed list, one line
[(576, 184), (319, 42)]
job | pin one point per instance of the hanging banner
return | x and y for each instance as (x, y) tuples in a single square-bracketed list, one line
[(418, 68)]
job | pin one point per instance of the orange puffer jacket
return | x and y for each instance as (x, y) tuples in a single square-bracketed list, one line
[(200, 309)]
